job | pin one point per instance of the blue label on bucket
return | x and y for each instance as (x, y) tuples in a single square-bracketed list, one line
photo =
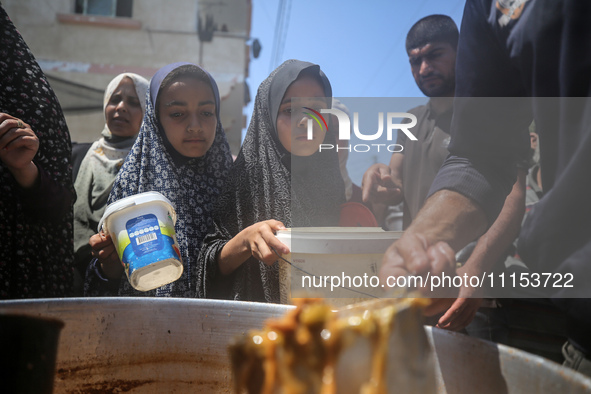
[(133, 262), (148, 243), (144, 234)]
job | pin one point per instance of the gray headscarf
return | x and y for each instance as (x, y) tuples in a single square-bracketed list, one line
[(262, 186)]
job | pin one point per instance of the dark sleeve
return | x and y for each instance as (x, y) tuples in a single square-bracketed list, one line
[(96, 284), (489, 134), (210, 282), (47, 199)]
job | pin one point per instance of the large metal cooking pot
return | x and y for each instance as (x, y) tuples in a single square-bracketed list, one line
[(179, 346)]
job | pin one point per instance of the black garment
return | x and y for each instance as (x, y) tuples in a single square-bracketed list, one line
[(35, 224), (266, 182), (47, 200), (540, 50), (83, 256)]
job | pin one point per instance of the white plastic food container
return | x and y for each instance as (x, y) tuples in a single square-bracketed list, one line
[(337, 263), (142, 229)]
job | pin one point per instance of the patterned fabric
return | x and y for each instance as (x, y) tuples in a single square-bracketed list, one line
[(192, 185), (265, 183), (35, 252), (98, 171)]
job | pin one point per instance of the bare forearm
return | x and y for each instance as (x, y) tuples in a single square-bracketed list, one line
[(233, 254), (450, 217), (258, 241), (503, 231)]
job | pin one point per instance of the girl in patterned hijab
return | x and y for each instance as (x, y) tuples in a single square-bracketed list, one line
[(181, 152), (279, 179), (124, 105)]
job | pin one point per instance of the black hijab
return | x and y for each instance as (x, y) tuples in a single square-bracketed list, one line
[(267, 182)]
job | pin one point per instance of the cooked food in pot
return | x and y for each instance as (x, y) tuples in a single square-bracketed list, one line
[(314, 349)]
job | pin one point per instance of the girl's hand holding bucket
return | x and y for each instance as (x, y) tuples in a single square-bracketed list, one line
[(104, 250)]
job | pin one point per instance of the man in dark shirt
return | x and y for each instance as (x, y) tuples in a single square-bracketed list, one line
[(431, 47), (538, 50)]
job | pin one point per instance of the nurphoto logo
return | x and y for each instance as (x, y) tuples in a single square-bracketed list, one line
[(392, 122)]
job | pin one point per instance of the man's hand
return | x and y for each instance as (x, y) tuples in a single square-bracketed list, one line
[(446, 217), (438, 259), (378, 186), (447, 222), (460, 313), (412, 254)]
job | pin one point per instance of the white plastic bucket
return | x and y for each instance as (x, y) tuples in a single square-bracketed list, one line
[(321, 254), (142, 229)]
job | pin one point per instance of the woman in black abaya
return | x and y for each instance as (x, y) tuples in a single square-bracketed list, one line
[(36, 192)]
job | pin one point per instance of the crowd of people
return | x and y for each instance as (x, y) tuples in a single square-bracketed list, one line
[(464, 185)]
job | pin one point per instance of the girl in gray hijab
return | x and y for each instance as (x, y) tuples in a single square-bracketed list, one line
[(279, 179)]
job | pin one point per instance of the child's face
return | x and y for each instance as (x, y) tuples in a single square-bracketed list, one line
[(292, 124), (123, 112), (187, 114)]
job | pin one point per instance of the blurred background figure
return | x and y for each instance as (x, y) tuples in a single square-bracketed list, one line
[(353, 212), (36, 193), (124, 106)]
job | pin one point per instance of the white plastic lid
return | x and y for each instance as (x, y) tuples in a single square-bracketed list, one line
[(338, 240), (138, 199)]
